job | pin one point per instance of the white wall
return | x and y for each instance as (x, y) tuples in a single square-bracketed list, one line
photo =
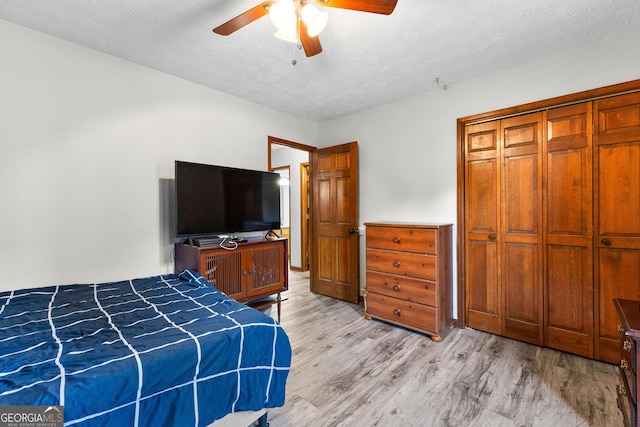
[(87, 145), (408, 148), (88, 142)]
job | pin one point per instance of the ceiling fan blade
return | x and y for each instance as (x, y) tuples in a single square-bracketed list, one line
[(384, 7), (243, 19), (310, 44)]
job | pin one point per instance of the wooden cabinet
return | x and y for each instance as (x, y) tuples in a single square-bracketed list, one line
[(409, 276), (552, 224), (255, 270), (628, 358)]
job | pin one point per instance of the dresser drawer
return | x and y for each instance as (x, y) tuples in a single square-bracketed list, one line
[(400, 311), (402, 287), (627, 365), (625, 403), (402, 239), (402, 263)]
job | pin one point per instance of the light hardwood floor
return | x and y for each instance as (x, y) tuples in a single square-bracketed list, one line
[(347, 371)]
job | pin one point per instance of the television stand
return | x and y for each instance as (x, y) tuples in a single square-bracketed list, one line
[(252, 273)]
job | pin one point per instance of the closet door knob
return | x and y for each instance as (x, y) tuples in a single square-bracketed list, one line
[(492, 237), (606, 242)]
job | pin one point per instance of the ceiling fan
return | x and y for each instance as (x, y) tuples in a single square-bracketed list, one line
[(299, 21)]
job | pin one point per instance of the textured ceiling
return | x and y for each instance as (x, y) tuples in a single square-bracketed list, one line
[(367, 59)]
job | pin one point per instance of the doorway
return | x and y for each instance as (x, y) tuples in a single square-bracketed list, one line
[(294, 158), (330, 189)]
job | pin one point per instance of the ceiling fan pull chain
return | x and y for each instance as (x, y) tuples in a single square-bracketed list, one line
[(294, 61), (296, 45)]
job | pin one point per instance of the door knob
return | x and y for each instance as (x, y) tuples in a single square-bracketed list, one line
[(353, 230)]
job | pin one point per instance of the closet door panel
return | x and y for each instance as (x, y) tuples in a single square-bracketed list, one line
[(569, 320), (482, 278), (521, 199), (521, 234), (619, 190), (612, 263), (522, 308), (568, 277), (483, 298), (618, 212)]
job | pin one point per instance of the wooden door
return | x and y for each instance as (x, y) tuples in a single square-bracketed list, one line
[(617, 198), (334, 219), (568, 230), (482, 222), (520, 239)]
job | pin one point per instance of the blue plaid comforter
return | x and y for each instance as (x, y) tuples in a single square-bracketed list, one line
[(161, 351)]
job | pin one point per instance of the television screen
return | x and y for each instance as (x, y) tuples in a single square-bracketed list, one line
[(217, 199)]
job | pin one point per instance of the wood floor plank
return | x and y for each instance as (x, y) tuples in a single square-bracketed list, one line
[(347, 371)]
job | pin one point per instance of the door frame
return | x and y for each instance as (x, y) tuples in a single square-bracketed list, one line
[(574, 98), (305, 214), (304, 235)]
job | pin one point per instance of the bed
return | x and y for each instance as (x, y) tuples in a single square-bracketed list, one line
[(168, 350)]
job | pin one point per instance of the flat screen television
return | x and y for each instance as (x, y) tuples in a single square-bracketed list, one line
[(213, 200)]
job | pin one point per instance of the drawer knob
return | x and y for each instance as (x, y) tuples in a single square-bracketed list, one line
[(397, 312), (397, 240), (621, 329), (621, 390), (492, 237), (396, 288), (624, 364), (627, 345), (396, 264)]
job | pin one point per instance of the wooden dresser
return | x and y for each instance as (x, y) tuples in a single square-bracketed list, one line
[(409, 280), (629, 328)]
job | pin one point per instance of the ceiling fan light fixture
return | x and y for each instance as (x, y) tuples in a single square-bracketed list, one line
[(315, 20), (287, 34), (283, 14)]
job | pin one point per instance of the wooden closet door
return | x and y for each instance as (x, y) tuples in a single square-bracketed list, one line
[(482, 216), (568, 269), (617, 243), (521, 228)]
